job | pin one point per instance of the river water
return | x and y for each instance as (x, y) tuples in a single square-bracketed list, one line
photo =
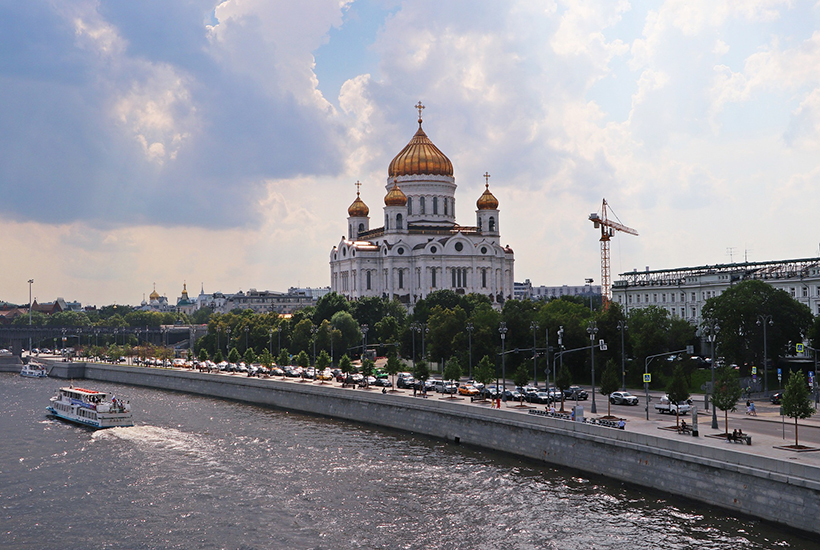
[(198, 472)]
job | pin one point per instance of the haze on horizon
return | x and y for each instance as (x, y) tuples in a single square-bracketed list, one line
[(218, 143)]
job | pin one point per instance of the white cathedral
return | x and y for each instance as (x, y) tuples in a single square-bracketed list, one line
[(421, 248)]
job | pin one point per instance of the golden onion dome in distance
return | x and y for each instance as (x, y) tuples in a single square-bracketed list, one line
[(395, 197), (487, 200), (358, 209), (420, 157), (154, 295)]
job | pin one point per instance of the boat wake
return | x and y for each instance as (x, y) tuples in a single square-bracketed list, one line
[(155, 439)]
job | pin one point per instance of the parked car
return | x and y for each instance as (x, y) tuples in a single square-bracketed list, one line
[(574, 392), (405, 381), (776, 398), (467, 390), (539, 397), (622, 398)]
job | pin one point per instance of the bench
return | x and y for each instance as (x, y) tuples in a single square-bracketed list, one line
[(741, 438)]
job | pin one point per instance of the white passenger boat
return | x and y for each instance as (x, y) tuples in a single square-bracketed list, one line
[(34, 370), (90, 408)]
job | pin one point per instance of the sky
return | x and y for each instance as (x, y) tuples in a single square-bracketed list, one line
[(218, 143)]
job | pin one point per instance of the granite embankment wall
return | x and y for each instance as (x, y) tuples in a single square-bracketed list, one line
[(781, 491)]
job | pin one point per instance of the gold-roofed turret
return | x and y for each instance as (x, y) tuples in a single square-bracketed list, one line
[(420, 157), (395, 197), (154, 295), (487, 200), (358, 209)]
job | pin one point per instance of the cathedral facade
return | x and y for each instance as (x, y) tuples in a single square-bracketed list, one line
[(420, 248)]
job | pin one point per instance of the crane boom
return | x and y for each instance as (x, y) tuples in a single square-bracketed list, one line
[(608, 228)]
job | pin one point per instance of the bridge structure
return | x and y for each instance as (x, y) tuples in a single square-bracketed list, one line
[(17, 338)]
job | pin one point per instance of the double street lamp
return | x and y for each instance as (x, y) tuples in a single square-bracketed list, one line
[(534, 327), (470, 329), (765, 319), (592, 330), (711, 329), (502, 329), (622, 327)]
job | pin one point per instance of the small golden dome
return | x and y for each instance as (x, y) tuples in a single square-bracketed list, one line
[(358, 209), (420, 156), (154, 295), (395, 197), (487, 200)]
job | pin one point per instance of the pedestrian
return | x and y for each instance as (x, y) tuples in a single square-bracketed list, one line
[(752, 410), (621, 424), (414, 390)]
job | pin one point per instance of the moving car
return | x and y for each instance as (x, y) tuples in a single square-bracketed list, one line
[(467, 390), (776, 398), (622, 398)]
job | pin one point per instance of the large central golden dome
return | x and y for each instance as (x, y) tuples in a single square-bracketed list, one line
[(420, 157)]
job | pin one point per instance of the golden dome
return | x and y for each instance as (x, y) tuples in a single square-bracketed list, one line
[(487, 200), (154, 295), (395, 197), (358, 209), (420, 156)]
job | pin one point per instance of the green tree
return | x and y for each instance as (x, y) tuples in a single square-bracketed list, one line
[(452, 371), (348, 327), (249, 357), (302, 359), (610, 382), (284, 358), (563, 381), (726, 392), (421, 371), (328, 305), (678, 390), (323, 361), (301, 339), (203, 354), (485, 373), (740, 337), (344, 363), (266, 358), (521, 377), (218, 357), (392, 368), (367, 371), (233, 356), (797, 400)]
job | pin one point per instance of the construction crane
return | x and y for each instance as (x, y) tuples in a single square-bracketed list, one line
[(608, 229)]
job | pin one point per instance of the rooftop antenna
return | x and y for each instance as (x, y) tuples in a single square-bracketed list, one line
[(730, 250)]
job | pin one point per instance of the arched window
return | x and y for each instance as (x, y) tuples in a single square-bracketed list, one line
[(386, 222), (479, 223), (483, 278), (398, 221), (410, 206), (435, 205), (491, 224), (350, 231), (421, 205), (361, 227), (445, 206), (367, 279), (433, 278), (401, 278)]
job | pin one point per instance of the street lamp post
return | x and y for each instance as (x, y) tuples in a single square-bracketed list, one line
[(313, 330), (247, 330), (414, 328), (30, 282), (765, 319), (534, 327), (560, 349), (547, 354), (502, 329), (270, 343), (592, 330), (218, 333), (365, 328), (589, 284), (711, 328), (469, 328), (227, 340), (622, 327)]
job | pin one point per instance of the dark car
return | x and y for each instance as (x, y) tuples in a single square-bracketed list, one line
[(776, 398), (574, 392), (540, 397)]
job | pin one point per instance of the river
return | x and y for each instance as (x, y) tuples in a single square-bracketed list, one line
[(197, 472)]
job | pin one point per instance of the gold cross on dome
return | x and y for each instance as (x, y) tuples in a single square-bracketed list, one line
[(420, 107), (487, 179), (358, 186)]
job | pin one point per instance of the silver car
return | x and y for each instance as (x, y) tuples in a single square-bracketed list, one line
[(622, 398)]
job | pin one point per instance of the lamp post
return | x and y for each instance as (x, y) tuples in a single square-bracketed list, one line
[(547, 354), (589, 284), (30, 282), (313, 330), (227, 341), (534, 327), (365, 328), (218, 333), (470, 329), (622, 327), (560, 349), (711, 328), (270, 343), (765, 319), (332, 357), (502, 329), (247, 330), (592, 330), (414, 328), (424, 330)]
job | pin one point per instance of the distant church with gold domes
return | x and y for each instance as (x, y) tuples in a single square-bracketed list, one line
[(421, 249)]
